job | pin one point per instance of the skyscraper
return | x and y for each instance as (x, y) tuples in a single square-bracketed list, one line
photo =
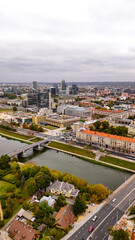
[(63, 85), (35, 86)]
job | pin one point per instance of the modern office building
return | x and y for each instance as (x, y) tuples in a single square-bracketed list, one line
[(63, 85), (55, 120), (75, 111), (39, 98), (35, 86), (53, 90)]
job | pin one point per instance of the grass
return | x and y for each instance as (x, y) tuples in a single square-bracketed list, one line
[(10, 178), (6, 110), (16, 135), (71, 149), (37, 139), (4, 186), (118, 162), (50, 127)]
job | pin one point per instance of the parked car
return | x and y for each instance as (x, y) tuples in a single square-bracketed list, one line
[(114, 199)]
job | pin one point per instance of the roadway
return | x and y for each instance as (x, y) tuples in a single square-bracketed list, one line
[(108, 215)]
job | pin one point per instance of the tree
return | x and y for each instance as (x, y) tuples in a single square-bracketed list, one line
[(14, 167), (14, 108), (60, 202), (25, 125), (132, 210), (69, 128), (42, 180), (120, 235), (105, 125), (97, 125), (4, 162), (31, 186), (79, 205)]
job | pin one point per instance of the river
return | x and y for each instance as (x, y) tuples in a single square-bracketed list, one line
[(91, 172)]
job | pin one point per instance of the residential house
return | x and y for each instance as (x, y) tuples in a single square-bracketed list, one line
[(65, 217), (66, 189), (18, 231)]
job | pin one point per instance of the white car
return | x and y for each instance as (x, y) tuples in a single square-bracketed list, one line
[(94, 218), (114, 199)]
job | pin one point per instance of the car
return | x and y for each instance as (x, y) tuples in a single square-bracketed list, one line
[(93, 204), (94, 218), (91, 229), (114, 199)]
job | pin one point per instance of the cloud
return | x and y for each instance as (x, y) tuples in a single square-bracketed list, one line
[(75, 40)]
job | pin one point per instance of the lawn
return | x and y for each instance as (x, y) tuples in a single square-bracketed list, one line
[(118, 162), (15, 135), (4, 186), (10, 178), (72, 149), (6, 110), (37, 139), (50, 127)]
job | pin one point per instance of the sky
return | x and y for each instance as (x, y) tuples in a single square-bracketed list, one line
[(75, 40)]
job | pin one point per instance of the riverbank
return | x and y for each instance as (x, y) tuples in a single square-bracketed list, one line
[(19, 137), (78, 152)]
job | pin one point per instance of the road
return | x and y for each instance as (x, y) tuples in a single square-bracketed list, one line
[(108, 215)]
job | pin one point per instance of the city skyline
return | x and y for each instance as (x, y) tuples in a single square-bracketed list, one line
[(78, 41)]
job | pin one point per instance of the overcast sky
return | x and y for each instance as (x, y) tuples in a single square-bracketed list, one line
[(75, 40)]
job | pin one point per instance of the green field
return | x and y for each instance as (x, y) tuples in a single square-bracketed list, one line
[(118, 162), (37, 139), (16, 135), (4, 187), (6, 110), (72, 149), (10, 178), (50, 127)]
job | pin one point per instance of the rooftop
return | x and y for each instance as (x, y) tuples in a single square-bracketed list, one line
[(101, 134)]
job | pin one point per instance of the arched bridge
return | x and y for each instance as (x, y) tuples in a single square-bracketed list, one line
[(35, 146)]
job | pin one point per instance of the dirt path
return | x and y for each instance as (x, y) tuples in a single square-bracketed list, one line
[(1, 212)]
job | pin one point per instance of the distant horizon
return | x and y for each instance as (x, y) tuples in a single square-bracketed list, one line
[(73, 82)]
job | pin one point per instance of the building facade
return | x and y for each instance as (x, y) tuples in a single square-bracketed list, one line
[(106, 141)]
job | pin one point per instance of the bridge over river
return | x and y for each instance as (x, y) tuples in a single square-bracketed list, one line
[(35, 146)]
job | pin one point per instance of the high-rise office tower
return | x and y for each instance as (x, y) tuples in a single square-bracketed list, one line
[(63, 85), (35, 86)]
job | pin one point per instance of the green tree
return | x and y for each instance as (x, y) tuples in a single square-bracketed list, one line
[(31, 186), (4, 162), (120, 235), (105, 125), (14, 167), (79, 205), (60, 202), (14, 108), (132, 210), (97, 125), (42, 180)]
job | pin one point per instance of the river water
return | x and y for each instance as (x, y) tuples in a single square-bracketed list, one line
[(93, 173)]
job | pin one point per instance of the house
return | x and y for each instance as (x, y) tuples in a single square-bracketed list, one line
[(49, 200), (18, 231), (64, 217), (25, 214), (66, 189)]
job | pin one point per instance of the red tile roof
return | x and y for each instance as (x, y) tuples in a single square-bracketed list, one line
[(65, 217), (102, 110), (101, 134), (18, 231)]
